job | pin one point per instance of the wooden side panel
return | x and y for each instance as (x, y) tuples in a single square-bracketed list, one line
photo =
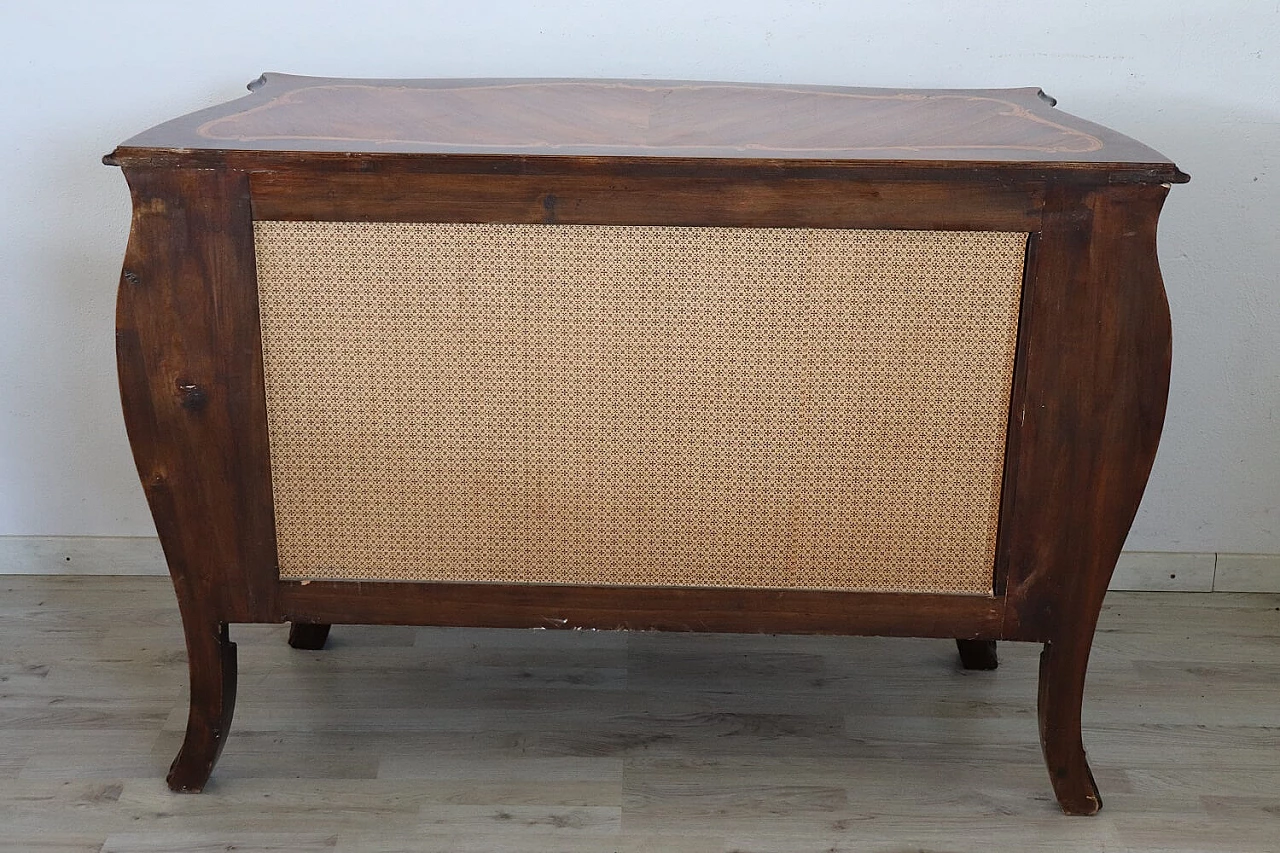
[(190, 364), (1089, 406), (1088, 409)]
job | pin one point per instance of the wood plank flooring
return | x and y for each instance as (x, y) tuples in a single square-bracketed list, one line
[(403, 739)]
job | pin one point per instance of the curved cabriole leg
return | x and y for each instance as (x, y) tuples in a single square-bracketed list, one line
[(978, 654), (1062, 672), (310, 636), (212, 660)]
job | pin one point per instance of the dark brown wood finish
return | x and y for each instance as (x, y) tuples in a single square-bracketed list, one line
[(212, 663), (1090, 381), (1095, 366), (1089, 399), (189, 354), (978, 654), (190, 363), (308, 635), (643, 608), (737, 201)]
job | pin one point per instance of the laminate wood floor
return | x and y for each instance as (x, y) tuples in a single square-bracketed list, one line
[(403, 739)]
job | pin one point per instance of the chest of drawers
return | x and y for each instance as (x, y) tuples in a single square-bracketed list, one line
[(643, 355)]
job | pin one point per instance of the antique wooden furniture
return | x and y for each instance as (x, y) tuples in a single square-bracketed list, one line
[(643, 355)]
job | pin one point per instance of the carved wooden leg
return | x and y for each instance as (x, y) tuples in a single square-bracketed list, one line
[(308, 635), (1062, 671), (978, 654), (212, 661)]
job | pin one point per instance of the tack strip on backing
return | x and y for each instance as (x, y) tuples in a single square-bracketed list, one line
[(638, 405)]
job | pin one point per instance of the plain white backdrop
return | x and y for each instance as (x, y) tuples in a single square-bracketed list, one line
[(1198, 80)]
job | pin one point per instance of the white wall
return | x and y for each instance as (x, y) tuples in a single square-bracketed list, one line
[(1198, 80)]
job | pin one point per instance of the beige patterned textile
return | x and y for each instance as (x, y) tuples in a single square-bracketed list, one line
[(638, 405)]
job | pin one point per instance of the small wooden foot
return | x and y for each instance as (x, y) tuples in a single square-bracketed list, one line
[(212, 662), (978, 654), (1062, 671), (308, 635)]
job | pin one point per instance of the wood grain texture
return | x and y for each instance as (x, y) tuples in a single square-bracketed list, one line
[(445, 739), (1087, 413), (189, 357), (641, 608), (576, 120), (733, 200), (1088, 404), (190, 372)]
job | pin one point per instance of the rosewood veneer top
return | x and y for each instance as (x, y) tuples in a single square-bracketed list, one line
[(571, 125)]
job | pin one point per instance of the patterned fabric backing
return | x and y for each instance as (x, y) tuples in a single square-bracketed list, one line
[(627, 405)]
